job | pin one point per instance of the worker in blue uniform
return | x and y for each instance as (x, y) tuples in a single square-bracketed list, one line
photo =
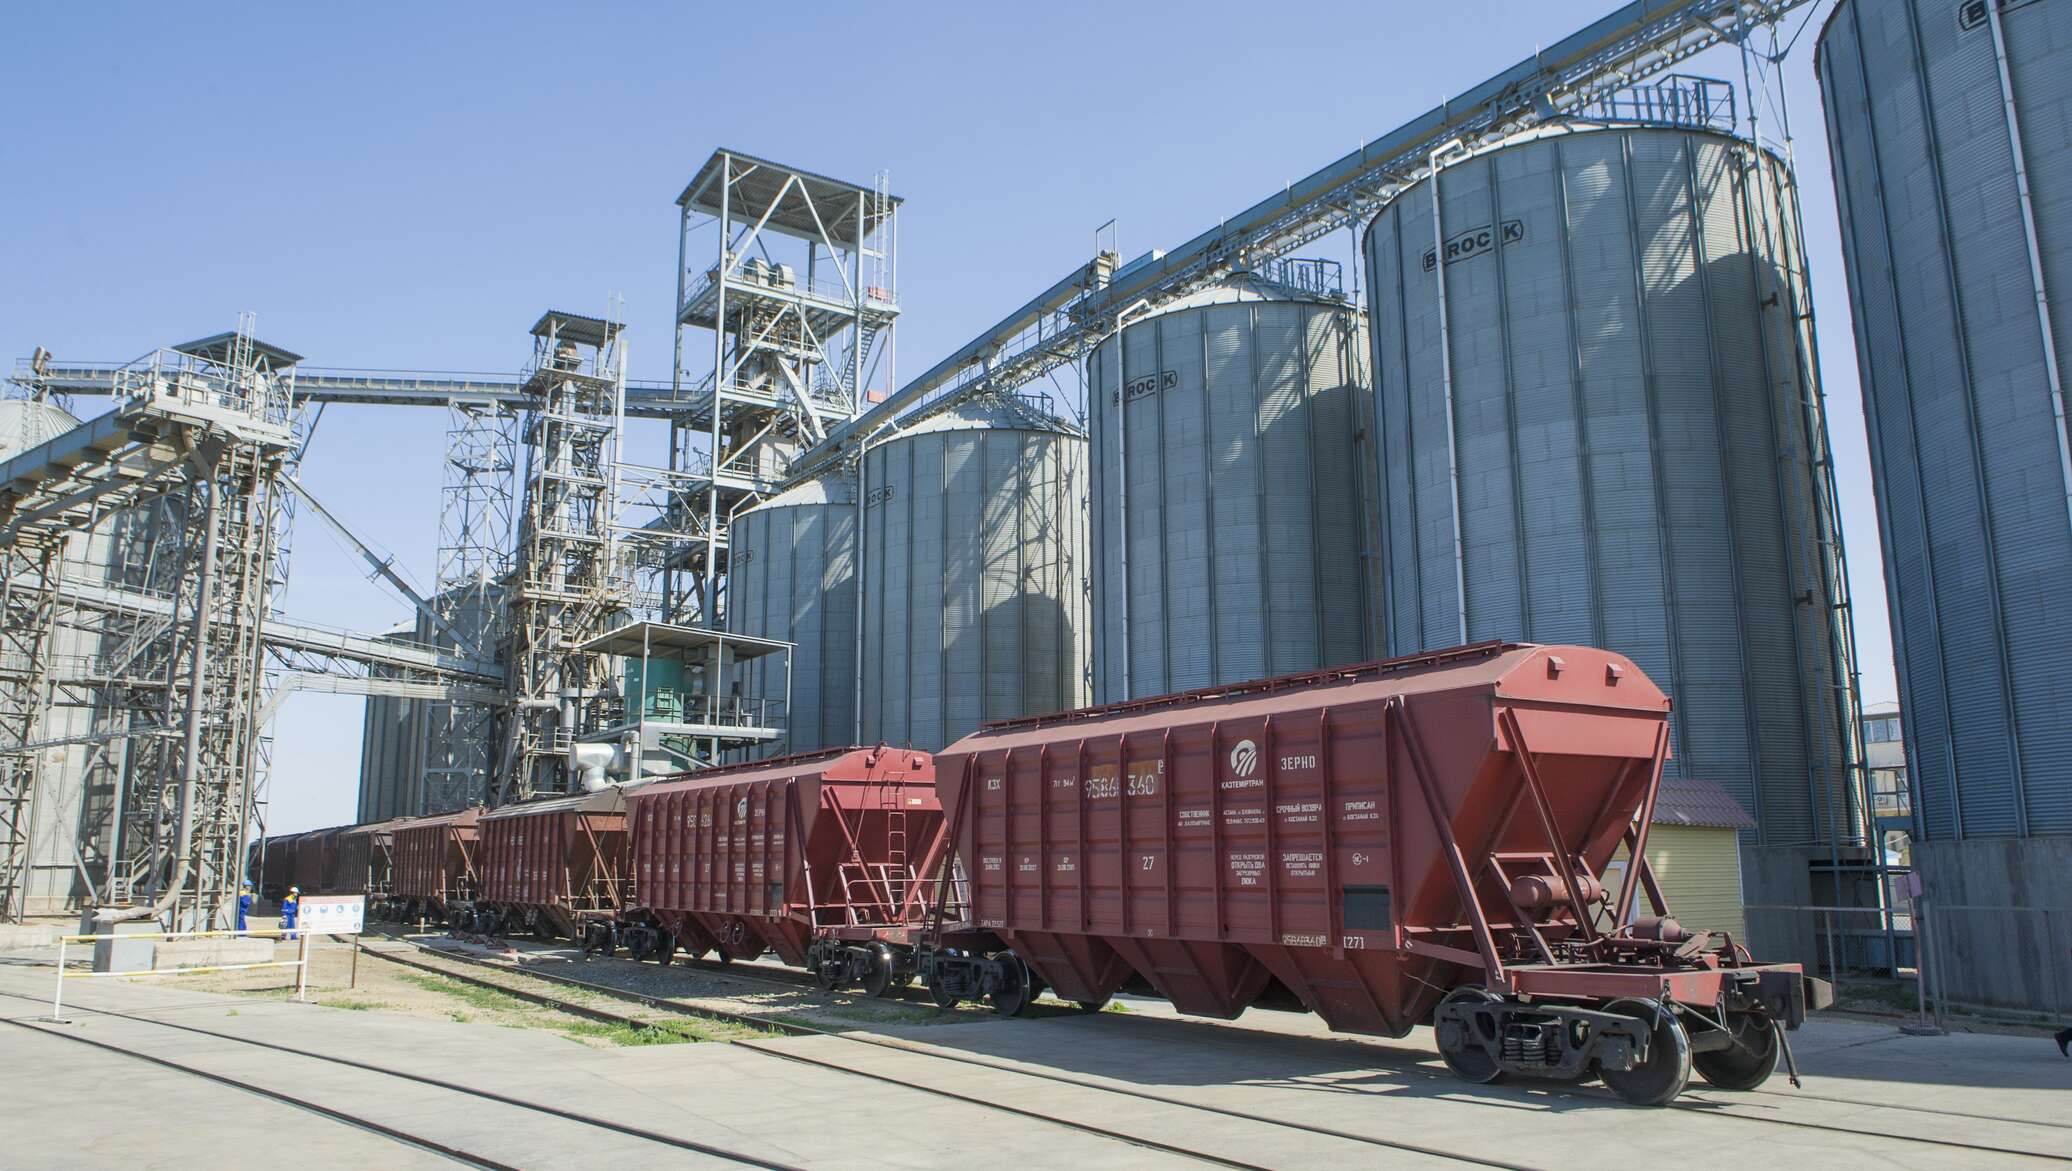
[(290, 907), (244, 905)]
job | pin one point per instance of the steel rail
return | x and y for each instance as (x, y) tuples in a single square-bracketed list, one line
[(1707, 1107), (795, 1030), (407, 1139), (627, 1129), (921, 1051)]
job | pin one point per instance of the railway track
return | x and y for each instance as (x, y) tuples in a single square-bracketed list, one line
[(396, 1134), (794, 1029), (1705, 1103), (747, 971)]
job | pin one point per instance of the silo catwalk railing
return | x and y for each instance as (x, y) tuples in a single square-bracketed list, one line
[(1638, 40)]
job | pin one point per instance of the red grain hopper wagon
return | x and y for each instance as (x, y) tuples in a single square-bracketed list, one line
[(434, 874), (551, 865), (362, 859), (1421, 837), (314, 858), (820, 858), (269, 865)]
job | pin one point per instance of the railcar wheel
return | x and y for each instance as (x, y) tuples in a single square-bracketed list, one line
[(826, 976), (943, 998), (1667, 1070), (1745, 1065), (881, 977), (639, 944), (1018, 986), (665, 948), (1469, 1060)]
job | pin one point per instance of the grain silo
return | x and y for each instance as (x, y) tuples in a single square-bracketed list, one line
[(1950, 131), (57, 809), (1595, 428), (72, 806), (1227, 491), (974, 602), (792, 576), (420, 756)]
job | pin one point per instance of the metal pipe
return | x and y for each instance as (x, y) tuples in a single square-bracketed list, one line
[(190, 763), (1460, 551), (2051, 374), (677, 433), (862, 484), (710, 602)]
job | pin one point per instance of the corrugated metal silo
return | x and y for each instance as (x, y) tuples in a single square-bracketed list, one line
[(1950, 270), (26, 423), (974, 605), (1604, 439), (792, 576), (1244, 514), (57, 807)]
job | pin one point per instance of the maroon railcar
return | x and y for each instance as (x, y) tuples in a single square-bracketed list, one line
[(314, 858), (434, 872), (362, 859), (819, 858), (1366, 841), (551, 865), (270, 867)]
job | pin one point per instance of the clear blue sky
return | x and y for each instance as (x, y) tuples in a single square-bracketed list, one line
[(393, 185)]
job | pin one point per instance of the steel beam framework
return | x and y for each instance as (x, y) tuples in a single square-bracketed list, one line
[(565, 585), (782, 334), (1639, 40), (198, 446)]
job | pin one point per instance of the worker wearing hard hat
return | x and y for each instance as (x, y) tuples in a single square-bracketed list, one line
[(244, 905), (290, 907)]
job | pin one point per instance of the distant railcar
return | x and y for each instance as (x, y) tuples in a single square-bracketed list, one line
[(821, 858), (313, 858), (549, 866), (434, 871), (363, 859)]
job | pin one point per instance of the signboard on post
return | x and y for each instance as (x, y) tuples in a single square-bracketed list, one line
[(332, 915)]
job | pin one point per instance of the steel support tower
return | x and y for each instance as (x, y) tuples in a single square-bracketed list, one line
[(197, 445), (475, 521), (565, 586), (786, 297)]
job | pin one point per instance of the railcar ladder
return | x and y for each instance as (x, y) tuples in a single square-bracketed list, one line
[(895, 848)]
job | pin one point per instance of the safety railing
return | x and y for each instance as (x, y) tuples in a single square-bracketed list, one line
[(57, 996), (1696, 103), (1926, 958)]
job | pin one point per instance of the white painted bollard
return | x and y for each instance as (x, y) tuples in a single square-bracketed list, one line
[(57, 994)]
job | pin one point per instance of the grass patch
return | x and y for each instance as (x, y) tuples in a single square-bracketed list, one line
[(627, 1034), (353, 1004), (1115, 1006), (1887, 996), (481, 998)]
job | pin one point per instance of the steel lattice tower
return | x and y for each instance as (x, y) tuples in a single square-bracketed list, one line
[(565, 585), (799, 301)]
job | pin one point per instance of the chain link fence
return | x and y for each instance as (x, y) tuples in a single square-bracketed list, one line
[(1927, 958)]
